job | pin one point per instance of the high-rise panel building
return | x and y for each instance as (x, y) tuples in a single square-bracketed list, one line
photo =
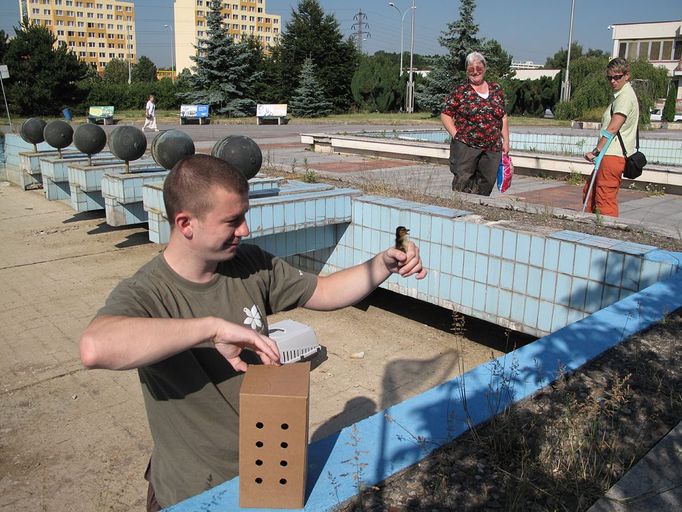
[(96, 31), (243, 19)]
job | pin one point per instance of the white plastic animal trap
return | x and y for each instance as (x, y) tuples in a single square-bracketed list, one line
[(296, 341)]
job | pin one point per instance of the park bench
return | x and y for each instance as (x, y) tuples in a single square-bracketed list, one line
[(269, 113), (103, 114), (190, 113)]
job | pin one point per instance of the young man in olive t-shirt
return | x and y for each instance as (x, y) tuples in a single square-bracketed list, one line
[(185, 317)]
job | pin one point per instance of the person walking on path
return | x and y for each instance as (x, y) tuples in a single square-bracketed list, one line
[(475, 117), (622, 115), (192, 318), (150, 114)]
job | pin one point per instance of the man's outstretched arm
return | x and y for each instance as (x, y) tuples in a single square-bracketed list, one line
[(353, 284)]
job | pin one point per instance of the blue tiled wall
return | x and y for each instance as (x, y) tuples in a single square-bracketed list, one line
[(661, 151), (527, 282)]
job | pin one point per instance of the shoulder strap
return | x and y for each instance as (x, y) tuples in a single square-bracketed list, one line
[(620, 139)]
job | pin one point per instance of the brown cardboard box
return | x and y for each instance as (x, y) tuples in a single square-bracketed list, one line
[(273, 436)]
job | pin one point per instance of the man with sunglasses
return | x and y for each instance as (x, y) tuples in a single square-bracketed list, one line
[(622, 115)]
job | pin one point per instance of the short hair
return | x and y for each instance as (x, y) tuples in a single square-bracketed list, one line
[(619, 64), (189, 184), (475, 56)]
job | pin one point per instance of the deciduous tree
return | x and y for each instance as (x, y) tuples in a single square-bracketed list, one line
[(144, 70), (116, 71)]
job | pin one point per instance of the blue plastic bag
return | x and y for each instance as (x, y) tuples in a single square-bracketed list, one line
[(505, 171)]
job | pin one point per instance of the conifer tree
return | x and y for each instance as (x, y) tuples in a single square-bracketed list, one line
[(670, 103), (376, 86), (43, 77), (309, 99), (460, 38), (312, 33), (223, 77)]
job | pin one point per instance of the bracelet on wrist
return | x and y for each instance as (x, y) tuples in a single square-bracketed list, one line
[(596, 151)]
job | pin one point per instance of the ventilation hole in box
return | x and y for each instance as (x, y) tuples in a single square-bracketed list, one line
[(259, 425), (284, 444), (259, 462), (283, 463), (285, 426), (259, 480), (283, 481), (259, 444)]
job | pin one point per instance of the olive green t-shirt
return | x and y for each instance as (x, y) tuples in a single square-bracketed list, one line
[(192, 398)]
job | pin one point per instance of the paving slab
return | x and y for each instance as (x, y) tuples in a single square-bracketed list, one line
[(654, 483)]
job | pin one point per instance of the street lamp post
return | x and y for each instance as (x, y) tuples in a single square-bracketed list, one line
[(172, 52), (130, 73), (409, 107), (566, 86), (402, 23)]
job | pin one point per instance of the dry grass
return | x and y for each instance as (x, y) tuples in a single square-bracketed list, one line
[(560, 450)]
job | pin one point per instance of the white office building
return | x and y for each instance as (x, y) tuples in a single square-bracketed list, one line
[(660, 42)]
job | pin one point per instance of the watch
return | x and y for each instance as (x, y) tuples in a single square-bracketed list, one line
[(596, 151)]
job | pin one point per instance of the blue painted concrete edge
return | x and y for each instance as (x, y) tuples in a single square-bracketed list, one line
[(379, 446)]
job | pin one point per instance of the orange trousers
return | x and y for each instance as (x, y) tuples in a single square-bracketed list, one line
[(604, 197)]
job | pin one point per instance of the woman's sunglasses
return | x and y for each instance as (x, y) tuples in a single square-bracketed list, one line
[(614, 77)]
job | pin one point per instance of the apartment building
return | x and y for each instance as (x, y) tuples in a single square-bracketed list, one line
[(243, 18), (96, 31), (659, 42)]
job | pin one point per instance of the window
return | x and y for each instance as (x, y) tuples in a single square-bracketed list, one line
[(60, 32), (667, 52), (58, 12), (655, 51)]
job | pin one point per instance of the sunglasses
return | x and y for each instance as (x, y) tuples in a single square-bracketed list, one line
[(614, 77)]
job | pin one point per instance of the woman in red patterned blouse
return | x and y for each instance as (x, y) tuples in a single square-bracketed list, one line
[(475, 118)]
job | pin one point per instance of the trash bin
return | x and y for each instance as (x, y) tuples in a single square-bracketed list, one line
[(67, 113)]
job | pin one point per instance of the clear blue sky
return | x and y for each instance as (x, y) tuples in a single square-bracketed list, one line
[(527, 29)]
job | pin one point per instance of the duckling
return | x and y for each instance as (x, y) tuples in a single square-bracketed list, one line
[(402, 238)]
